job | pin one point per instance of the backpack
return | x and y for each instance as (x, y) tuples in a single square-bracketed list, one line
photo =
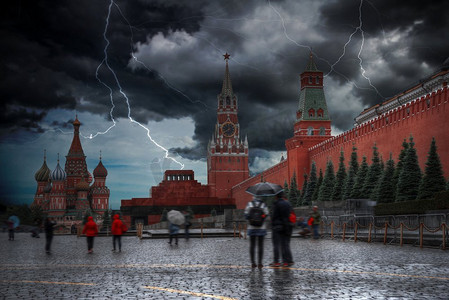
[(256, 215), (292, 217)]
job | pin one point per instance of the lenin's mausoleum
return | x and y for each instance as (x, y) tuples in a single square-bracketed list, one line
[(421, 111)]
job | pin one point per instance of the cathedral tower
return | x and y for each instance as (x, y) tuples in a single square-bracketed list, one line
[(227, 153)]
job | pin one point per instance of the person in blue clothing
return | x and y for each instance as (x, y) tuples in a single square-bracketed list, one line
[(256, 232), (173, 232), (282, 231)]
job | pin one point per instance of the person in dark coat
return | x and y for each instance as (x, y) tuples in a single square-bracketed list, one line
[(49, 227), (256, 232), (10, 230), (188, 223), (117, 229), (90, 230), (282, 231)]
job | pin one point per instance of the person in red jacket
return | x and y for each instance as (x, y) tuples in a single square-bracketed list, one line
[(117, 229), (90, 230)]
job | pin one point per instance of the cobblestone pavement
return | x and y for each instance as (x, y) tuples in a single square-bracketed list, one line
[(217, 268)]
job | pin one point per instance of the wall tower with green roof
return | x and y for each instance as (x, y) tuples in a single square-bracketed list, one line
[(313, 123)]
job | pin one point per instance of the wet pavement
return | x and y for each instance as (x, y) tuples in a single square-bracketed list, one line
[(217, 268)]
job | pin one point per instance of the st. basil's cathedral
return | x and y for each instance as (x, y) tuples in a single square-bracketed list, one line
[(67, 194)]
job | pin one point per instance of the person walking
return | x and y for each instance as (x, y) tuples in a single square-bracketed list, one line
[(282, 231), (90, 230), (188, 223), (117, 229), (316, 222), (173, 232), (10, 224), (256, 212), (48, 227)]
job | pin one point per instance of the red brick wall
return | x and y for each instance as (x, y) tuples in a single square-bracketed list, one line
[(421, 122)]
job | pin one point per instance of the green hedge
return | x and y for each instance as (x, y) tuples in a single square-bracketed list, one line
[(439, 202)]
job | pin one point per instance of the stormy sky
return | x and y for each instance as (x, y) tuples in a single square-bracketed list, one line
[(164, 59)]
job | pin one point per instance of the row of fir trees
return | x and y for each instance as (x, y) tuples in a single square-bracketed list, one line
[(383, 182)]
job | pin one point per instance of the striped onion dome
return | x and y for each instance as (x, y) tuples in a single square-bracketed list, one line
[(58, 173), (100, 170), (43, 174)]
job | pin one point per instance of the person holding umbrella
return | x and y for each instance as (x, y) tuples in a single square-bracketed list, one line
[(13, 222), (175, 218), (256, 212)]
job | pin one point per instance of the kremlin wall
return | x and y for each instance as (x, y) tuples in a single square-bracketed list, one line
[(421, 111)]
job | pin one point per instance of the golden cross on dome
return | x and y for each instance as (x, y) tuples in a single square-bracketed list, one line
[(226, 56)]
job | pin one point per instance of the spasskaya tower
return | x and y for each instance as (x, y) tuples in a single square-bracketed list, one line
[(227, 153)]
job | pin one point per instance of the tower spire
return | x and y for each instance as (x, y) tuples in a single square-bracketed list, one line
[(227, 86), (311, 66)]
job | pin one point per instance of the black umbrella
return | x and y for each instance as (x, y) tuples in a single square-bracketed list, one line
[(264, 189)]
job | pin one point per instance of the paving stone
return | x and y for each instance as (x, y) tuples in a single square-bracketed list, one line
[(323, 269)]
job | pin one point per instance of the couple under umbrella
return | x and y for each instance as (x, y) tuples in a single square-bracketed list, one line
[(256, 212)]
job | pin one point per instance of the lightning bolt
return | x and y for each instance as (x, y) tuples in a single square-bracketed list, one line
[(105, 62), (332, 69)]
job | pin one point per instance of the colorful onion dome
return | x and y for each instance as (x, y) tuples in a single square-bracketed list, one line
[(58, 173), (82, 185), (43, 174), (47, 188), (100, 170)]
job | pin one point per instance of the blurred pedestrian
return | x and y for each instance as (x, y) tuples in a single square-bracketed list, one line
[(282, 231), (90, 230), (256, 212), (187, 223), (117, 229), (304, 226), (173, 232), (316, 222), (49, 227), (10, 230), (13, 222)]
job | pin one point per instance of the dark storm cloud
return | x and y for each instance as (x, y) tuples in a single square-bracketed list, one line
[(50, 54)]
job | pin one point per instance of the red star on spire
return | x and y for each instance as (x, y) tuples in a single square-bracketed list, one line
[(226, 56)]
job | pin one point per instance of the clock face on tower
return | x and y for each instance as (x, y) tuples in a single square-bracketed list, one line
[(228, 129)]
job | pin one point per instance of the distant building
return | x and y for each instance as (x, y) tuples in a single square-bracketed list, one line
[(67, 194)]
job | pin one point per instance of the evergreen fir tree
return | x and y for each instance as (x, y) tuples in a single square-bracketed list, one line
[(106, 219), (293, 194), (373, 175), (399, 165), (304, 189), (286, 190), (386, 189), (433, 180), (327, 187), (317, 188), (356, 192), (352, 174), (311, 186), (337, 193), (410, 176)]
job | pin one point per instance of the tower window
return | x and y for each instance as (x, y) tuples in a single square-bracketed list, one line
[(317, 80), (310, 131), (322, 131), (320, 113), (228, 100), (311, 112), (310, 79)]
